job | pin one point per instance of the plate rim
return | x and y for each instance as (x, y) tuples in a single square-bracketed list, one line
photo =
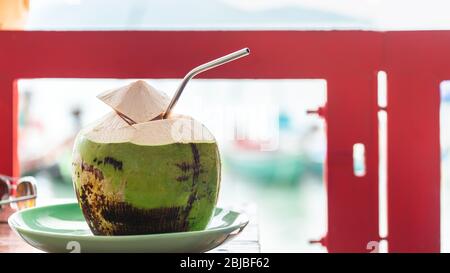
[(228, 229)]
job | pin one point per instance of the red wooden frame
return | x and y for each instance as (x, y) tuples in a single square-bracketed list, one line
[(415, 62)]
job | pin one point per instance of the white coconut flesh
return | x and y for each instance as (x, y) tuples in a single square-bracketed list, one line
[(137, 101), (136, 119)]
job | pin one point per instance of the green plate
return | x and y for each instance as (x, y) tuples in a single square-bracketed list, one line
[(62, 228)]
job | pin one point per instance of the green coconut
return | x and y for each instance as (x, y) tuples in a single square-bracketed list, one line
[(135, 173)]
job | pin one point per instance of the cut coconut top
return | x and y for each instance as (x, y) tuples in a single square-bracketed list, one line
[(136, 102), (175, 129)]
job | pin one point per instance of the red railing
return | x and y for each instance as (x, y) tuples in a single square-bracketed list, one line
[(415, 63)]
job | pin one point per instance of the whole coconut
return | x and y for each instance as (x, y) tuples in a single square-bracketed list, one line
[(135, 173)]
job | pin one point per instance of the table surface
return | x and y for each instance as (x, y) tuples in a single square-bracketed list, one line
[(246, 242)]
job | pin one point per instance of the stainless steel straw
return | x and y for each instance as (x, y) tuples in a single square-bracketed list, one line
[(202, 68)]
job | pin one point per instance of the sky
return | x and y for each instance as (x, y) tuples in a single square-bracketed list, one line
[(240, 14)]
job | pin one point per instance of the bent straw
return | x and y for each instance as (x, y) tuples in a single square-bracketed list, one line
[(202, 68)]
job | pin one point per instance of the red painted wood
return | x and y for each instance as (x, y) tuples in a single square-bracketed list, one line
[(348, 60), (415, 62), (351, 116), (413, 164), (128, 54), (8, 120)]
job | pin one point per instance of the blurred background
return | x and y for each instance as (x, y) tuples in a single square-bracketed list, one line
[(282, 181)]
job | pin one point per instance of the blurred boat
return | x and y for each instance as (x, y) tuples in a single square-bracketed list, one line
[(295, 155), (267, 167)]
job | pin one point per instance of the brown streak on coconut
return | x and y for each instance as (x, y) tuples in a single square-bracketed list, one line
[(92, 199), (131, 220), (89, 168), (117, 164), (196, 167), (184, 166), (182, 178)]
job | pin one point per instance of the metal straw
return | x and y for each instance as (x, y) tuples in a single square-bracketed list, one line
[(202, 68)]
